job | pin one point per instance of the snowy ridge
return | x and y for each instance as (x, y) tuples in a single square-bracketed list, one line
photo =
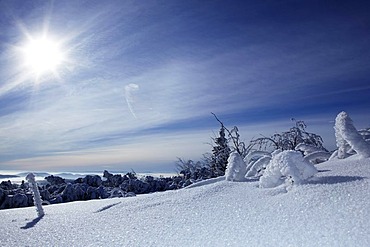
[(330, 209)]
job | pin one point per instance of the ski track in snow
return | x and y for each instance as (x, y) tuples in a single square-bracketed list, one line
[(333, 209)]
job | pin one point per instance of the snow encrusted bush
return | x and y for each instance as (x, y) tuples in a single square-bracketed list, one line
[(286, 167), (236, 168), (347, 138), (257, 167), (317, 157), (312, 153), (365, 133), (257, 162), (288, 140), (306, 148)]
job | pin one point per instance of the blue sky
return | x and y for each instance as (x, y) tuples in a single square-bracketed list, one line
[(140, 78)]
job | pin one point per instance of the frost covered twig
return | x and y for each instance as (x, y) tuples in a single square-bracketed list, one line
[(234, 136), (317, 157), (256, 167), (36, 194)]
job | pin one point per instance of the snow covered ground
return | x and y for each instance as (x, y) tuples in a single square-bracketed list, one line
[(331, 209)]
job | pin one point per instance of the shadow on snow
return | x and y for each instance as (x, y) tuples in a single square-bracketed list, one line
[(107, 207), (334, 179), (32, 223)]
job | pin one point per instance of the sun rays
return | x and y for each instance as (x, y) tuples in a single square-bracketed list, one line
[(42, 56)]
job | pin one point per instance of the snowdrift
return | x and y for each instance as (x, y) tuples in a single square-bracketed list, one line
[(330, 209)]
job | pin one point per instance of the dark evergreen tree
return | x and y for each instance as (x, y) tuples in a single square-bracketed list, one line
[(220, 153)]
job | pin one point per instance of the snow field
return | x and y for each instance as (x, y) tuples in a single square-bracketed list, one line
[(330, 209)]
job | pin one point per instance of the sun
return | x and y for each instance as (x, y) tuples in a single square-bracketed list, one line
[(43, 56)]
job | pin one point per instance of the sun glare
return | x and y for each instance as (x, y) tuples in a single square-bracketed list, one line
[(43, 56)]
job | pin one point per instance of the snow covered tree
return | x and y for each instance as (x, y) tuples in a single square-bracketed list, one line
[(222, 150), (347, 138), (236, 168), (289, 140), (220, 153)]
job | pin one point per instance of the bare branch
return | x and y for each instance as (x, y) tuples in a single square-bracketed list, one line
[(235, 139)]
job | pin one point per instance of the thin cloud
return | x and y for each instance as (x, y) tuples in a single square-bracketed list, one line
[(129, 91), (188, 63)]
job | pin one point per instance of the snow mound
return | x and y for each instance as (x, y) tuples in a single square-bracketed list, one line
[(286, 167)]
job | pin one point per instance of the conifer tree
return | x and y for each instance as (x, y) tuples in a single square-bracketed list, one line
[(220, 153)]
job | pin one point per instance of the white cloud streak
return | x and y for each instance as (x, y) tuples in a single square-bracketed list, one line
[(129, 91)]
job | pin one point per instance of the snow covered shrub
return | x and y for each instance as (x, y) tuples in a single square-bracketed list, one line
[(286, 167), (193, 171), (312, 153), (365, 133), (221, 151), (256, 162), (257, 167), (348, 137), (236, 168), (344, 149), (288, 140), (317, 157), (36, 194)]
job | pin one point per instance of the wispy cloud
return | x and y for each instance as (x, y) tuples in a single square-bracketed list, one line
[(129, 91), (141, 75), (150, 152)]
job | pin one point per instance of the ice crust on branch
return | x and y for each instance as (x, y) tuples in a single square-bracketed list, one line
[(258, 166), (346, 133), (319, 155), (36, 194), (306, 148)]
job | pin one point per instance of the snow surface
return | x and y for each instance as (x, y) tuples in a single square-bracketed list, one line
[(331, 209)]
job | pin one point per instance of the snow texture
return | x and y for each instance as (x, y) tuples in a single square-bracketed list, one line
[(286, 167), (330, 209), (345, 132), (236, 168)]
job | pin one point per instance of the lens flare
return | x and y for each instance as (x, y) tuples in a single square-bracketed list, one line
[(42, 56)]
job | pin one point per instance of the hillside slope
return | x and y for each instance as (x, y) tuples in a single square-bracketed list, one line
[(332, 209)]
